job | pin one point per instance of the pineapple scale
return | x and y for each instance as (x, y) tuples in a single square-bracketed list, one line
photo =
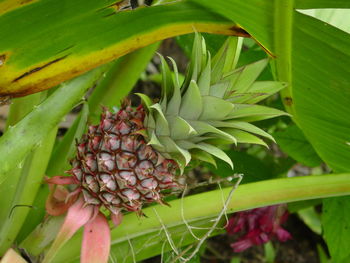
[(116, 168)]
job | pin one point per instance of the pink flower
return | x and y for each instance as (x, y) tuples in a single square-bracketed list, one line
[(96, 237), (258, 226)]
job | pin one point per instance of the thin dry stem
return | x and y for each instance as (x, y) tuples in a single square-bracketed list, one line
[(217, 220)]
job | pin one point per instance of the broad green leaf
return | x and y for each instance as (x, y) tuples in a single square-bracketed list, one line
[(293, 142), (336, 226), (255, 16), (334, 17), (76, 36), (310, 4), (320, 88)]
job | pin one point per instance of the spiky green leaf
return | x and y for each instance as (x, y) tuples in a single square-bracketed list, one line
[(191, 105), (215, 108)]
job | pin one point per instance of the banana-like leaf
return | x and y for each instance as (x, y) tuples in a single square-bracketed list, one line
[(313, 57), (45, 42), (310, 4), (317, 92)]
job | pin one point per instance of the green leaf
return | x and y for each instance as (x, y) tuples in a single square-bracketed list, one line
[(25, 136), (321, 94), (24, 180), (204, 78), (174, 104), (215, 108), (167, 83), (215, 151), (162, 126), (241, 79), (310, 4), (334, 17), (293, 142), (180, 129), (213, 42), (312, 219), (336, 225), (65, 149), (154, 141), (202, 128), (146, 101), (245, 126), (203, 156), (191, 105), (219, 89), (226, 58), (244, 137), (247, 112), (91, 33), (254, 16), (257, 92)]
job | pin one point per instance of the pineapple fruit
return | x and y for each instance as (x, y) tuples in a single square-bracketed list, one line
[(134, 154)]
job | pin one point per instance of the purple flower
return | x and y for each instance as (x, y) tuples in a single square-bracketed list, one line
[(258, 226)]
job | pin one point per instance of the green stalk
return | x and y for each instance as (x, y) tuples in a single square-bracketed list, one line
[(283, 24), (208, 205)]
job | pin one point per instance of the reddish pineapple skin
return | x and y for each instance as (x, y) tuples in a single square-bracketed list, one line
[(115, 167)]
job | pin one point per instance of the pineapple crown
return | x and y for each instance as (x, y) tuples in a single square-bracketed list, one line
[(213, 106)]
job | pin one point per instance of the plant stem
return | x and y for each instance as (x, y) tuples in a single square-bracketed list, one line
[(208, 205)]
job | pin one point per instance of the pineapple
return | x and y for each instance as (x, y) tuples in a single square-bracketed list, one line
[(134, 154)]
